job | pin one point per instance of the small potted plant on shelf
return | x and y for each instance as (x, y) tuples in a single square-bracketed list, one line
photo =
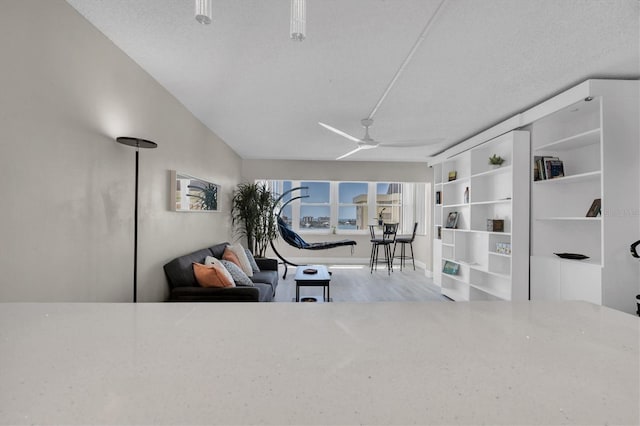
[(496, 160)]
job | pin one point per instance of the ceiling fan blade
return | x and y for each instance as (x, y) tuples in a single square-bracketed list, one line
[(410, 144), (350, 153), (339, 132)]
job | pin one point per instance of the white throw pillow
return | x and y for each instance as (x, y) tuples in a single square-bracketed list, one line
[(238, 250), (210, 260)]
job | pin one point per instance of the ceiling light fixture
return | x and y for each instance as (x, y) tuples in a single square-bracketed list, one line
[(203, 11), (298, 20)]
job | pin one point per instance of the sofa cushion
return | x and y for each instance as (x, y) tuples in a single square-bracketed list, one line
[(237, 275), (266, 277), (180, 270), (210, 260), (212, 276), (266, 293), (252, 261), (241, 256), (218, 250)]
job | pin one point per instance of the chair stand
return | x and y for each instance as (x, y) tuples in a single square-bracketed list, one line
[(403, 255)]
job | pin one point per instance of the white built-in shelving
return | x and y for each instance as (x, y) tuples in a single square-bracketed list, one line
[(491, 193), (593, 129)]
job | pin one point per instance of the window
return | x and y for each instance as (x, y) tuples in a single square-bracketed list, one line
[(279, 187), (315, 210), (389, 202), (352, 205)]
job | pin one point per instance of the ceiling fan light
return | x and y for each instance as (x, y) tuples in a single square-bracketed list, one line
[(203, 11), (298, 28)]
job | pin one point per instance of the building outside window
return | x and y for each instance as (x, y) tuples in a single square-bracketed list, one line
[(315, 210), (351, 212), (389, 202)]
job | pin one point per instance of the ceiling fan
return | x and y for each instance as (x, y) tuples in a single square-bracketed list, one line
[(367, 142)]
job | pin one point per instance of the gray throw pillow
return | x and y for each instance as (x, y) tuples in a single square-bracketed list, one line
[(238, 275), (252, 261)]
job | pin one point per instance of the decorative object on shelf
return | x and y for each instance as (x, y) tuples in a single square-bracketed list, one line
[(546, 167), (503, 248), (594, 210), (310, 271), (495, 225), (137, 143), (453, 175), (191, 194), (496, 160), (298, 23), (439, 232), (466, 195), (438, 197), (450, 268), (452, 220), (572, 256), (203, 11)]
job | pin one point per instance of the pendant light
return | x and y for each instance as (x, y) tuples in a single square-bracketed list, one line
[(203, 11)]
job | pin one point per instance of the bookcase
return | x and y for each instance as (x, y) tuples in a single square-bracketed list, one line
[(593, 129), (487, 264)]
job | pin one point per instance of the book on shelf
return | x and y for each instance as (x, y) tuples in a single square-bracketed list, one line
[(450, 268), (438, 197), (547, 167)]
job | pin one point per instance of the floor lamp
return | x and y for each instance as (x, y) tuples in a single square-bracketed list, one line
[(137, 143)]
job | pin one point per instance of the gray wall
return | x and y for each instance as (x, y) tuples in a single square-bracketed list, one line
[(66, 218)]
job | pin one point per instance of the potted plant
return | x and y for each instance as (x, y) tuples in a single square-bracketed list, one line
[(380, 219), (496, 160), (252, 216)]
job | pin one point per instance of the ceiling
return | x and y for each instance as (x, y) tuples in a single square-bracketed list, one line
[(263, 94)]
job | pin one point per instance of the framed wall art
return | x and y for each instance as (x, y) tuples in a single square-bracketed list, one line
[(192, 194)]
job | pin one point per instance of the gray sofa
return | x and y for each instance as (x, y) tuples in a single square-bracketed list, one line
[(185, 288)]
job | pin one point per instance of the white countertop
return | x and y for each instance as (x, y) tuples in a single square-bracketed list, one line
[(327, 363)]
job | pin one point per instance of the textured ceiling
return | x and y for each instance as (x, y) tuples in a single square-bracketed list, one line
[(263, 94)]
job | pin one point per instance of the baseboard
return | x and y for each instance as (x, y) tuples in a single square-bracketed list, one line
[(353, 261)]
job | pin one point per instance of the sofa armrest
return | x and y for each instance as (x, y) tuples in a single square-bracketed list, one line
[(266, 264), (213, 294)]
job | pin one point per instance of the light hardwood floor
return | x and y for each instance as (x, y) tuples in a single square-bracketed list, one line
[(354, 283)]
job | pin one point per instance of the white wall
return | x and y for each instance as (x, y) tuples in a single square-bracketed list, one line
[(66, 218), (341, 170)]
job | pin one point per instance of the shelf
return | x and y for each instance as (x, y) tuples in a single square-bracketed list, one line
[(569, 218), (485, 232), (484, 269), (447, 245), (478, 203), (453, 294), (499, 254), (456, 205), (496, 171), (589, 261), (499, 295), (457, 181), (590, 137), (460, 262), (582, 177), (454, 277)]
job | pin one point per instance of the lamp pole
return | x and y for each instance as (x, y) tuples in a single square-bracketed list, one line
[(137, 143)]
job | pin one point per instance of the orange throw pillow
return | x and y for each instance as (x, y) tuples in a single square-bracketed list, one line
[(211, 276), (231, 257)]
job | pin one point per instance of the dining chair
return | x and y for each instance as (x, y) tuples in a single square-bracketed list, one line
[(403, 241)]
